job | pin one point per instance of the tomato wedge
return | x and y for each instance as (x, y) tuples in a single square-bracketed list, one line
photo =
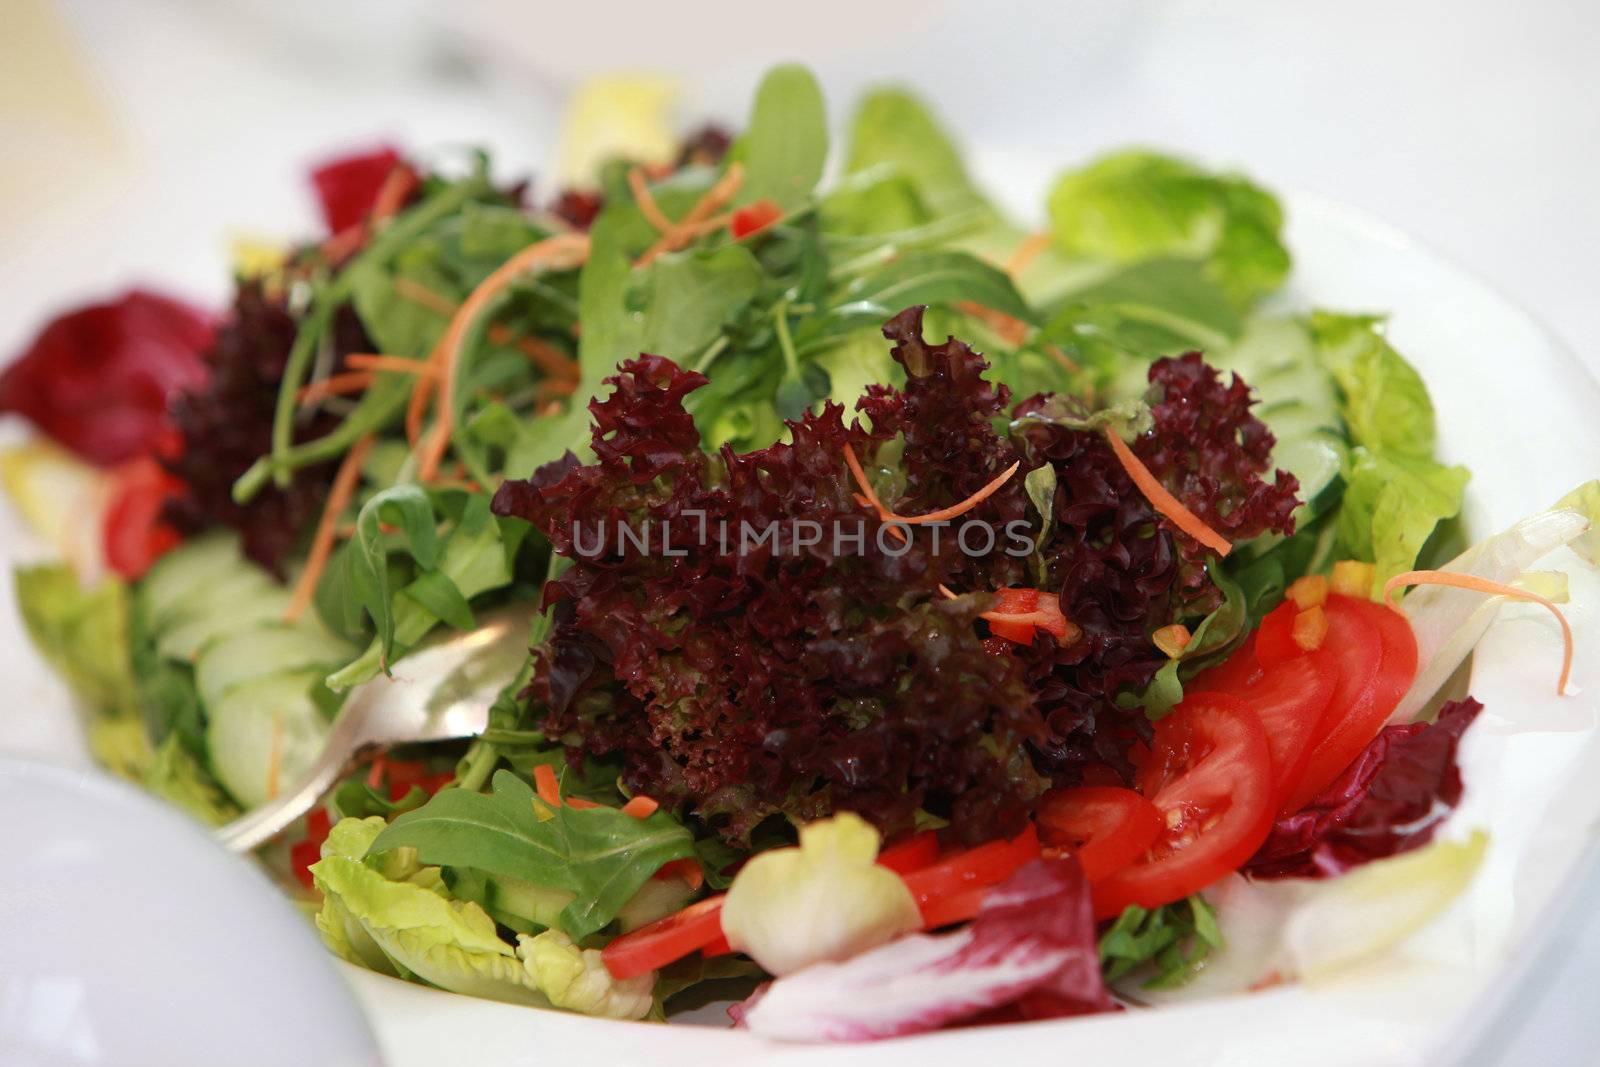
[(652, 947), (133, 533), (975, 868), (1290, 698), (1376, 655), (911, 854), (1274, 638), (1210, 777), (1106, 826)]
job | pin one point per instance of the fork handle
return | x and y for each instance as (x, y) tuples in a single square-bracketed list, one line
[(255, 828)]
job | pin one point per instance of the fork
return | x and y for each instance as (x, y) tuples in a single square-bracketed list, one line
[(440, 692)]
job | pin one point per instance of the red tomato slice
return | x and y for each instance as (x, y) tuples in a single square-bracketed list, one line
[(1238, 670), (1274, 639), (133, 533), (976, 868), (1290, 698), (1210, 776), (911, 854), (1376, 654), (652, 947), (1107, 827)]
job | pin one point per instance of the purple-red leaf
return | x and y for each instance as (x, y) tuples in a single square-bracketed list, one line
[(1390, 800), (1031, 953)]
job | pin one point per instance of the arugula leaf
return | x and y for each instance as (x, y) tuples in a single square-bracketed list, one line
[(926, 276), (366, 567), (683, 301), (785, 144), (601, 855), (1137, 205), (894, 131)]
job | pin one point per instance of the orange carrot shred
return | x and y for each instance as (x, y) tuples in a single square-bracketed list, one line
[(1456, 580), (1164, 502), (1012, 331), (548, 787), (339, 496), (580, 804), (545, 356), (646, 201), (640, 807), (565, 248), (941, 515), (398, 364), (700, 215), (375, 775), (1026, 252), (334, 385)]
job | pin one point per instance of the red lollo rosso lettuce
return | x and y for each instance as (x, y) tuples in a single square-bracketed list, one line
[(1031, 953), (836, 677), (98, 379), (226, 424), (1390, 800), (348, 186)]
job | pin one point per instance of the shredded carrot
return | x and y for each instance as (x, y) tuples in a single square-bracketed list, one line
[(398, 364), (1456, 580), (275, 756), (1069, 631), (580, 804), (1012, 331), (567, 248), (334, 385), (640, 807), (870, 498), (375, 775), (700, 215), (642, 196), (545, 356), (687, 869), (1026, 252), (548, 787), (339, 496), (1055, 353), (1163, 501)]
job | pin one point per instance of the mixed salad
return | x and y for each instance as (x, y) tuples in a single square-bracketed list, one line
[(937, 621)]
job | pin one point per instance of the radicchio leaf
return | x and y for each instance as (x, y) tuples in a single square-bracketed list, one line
[(1030, 954), (1390, 800), (98, 378)]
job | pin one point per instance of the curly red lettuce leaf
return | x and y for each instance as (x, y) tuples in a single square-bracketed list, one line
[(1390, 800), (746, 680), (226, 424), (1031, 953), (98, 378)]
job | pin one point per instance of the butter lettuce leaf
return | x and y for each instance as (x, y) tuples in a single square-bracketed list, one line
[(1136, 205)]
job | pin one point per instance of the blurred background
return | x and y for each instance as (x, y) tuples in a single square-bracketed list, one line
[(142, 140)]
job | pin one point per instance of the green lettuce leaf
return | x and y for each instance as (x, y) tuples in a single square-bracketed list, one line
[(383, 912), (178, 777), (1396, 493), (785, 143), (1137, 205), (601, 855), (893, 132), (83, 633)]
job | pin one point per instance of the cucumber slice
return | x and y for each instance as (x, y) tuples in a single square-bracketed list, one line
[(247, 655), (250, 722), (524, 906), (1298, 402), (179, 574), (255, 608)]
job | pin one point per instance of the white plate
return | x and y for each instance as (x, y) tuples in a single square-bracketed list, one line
[(1516, 409)]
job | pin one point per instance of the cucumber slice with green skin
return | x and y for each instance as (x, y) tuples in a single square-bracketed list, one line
[(186, 639), (244, 656), (521, 905), (250, 722), (187, 569), (1297, 401)]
